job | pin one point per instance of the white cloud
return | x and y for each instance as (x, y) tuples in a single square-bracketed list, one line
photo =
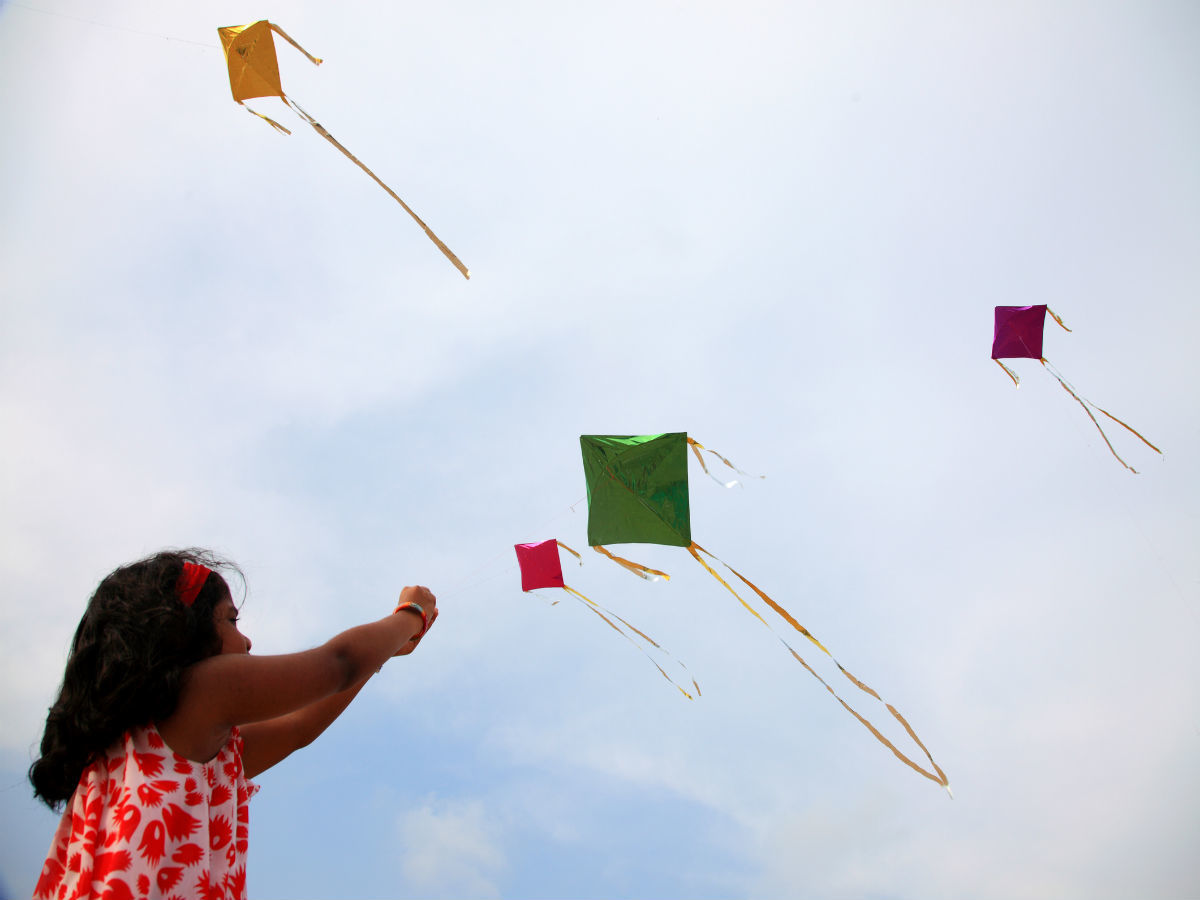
[(451, 848)]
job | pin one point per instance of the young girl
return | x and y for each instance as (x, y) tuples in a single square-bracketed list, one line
[(164, 716)]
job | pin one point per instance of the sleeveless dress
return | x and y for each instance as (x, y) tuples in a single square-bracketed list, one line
[(145, 822)]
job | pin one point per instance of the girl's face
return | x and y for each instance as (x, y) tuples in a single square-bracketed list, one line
[(226, 616)]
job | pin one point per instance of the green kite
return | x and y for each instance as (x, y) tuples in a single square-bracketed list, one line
[(637, 493)]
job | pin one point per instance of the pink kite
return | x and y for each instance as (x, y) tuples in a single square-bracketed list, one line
[(541, 568)]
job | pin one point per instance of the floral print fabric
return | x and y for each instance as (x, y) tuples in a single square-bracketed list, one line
[(145, 822)]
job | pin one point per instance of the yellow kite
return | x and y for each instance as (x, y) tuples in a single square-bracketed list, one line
[(254, 72)]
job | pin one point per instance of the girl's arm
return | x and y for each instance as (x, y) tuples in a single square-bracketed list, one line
[(270, 742), (239, 689)]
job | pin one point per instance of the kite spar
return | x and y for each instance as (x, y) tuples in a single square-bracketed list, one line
[(254, 72)]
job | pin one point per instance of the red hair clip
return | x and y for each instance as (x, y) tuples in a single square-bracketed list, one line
[(191, 580)]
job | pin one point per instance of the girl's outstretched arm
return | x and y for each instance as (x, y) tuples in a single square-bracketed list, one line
[(235, 688), (267, 743)]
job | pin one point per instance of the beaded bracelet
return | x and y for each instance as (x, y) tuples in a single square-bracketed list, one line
[(408, 604)]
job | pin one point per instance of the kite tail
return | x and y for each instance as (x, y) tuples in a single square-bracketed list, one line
[(320, 129), (636, 568), (1087, 403), (266, 119), (697, 447), (316, 61), (940, 778), (1011, 373), (1057, 318), (600, 611), (569, 550)]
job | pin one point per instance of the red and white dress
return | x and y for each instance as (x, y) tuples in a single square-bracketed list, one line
[(145, 822)]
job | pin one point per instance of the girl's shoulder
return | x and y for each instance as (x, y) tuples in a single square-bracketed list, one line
[(143, 763), (146, 748)]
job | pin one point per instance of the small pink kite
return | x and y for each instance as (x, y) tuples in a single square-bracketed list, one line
[(541, 568), (1018, 335)]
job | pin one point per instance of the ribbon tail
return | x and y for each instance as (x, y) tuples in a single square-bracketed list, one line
[(1057, 318), (940, 778), (569, 550), (645, 637), (599, 610), (783, 613), (316, 61), (636, 568), (320, 129), (1083, 403), (696, 447), (1010, 372), (916, 740), (1131, 431), (713, 572), (266, 119)]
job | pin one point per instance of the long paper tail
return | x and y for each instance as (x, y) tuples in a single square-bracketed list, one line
[(600, 611), (939, 778), (1085, 403), (1057, 318), (1011, 374), (320, 129), (697, 447), (636, 568)]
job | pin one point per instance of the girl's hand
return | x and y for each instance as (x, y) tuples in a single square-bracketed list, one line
[(424, 598)]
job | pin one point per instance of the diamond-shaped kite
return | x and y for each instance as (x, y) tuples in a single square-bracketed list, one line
[(637, 491), (541, 568), (1018, 335), (254, 72)]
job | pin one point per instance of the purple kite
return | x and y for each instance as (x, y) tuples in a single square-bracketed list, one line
[(1018, 335)]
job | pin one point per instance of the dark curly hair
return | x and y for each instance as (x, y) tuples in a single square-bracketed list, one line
[(132, 647)]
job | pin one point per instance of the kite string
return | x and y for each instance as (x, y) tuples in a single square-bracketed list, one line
[(165, 37)]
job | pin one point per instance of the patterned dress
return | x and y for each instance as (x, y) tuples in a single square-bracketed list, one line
[(145, 822)]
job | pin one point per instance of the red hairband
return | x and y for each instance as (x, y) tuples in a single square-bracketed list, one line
[(190, 581)]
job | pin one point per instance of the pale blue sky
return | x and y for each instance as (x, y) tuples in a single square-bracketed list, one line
[(780, 227)]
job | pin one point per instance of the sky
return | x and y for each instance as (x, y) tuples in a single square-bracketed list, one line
[(779, 227)]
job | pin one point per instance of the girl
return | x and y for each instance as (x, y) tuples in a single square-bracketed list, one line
[(164, 716)]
